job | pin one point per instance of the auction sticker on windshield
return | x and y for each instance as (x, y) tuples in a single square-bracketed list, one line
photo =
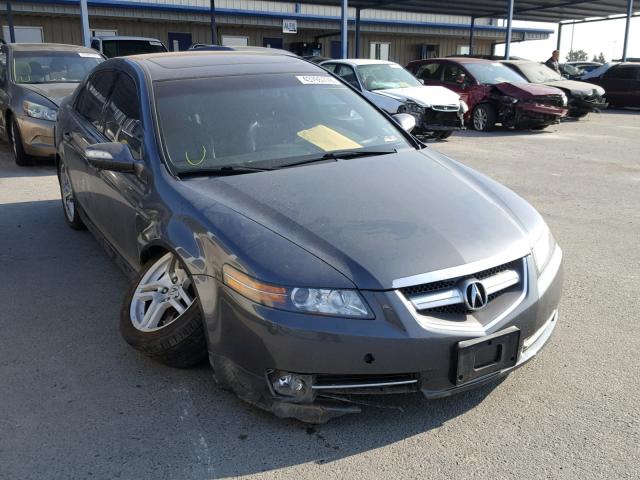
[(317, 80)]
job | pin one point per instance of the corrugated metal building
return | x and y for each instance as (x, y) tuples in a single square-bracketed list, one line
[(397, 35)]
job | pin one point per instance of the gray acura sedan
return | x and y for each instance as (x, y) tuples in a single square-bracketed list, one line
[(273, 220), (34, 78)]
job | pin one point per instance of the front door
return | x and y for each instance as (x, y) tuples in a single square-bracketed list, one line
[(118, 194), (272, 42), (179, 41), (4, 90)]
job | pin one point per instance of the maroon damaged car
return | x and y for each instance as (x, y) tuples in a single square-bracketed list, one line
[(494, 93)]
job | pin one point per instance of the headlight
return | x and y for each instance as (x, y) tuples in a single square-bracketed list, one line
[(565, 101), (322, 301), (35, 110), (463, 106), (543, 249), (510, 99), (412, 107)]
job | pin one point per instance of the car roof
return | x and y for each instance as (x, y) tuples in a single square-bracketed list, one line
[(468, 60), (519, 62), (48, 47), (194, 64), (360, 61), (118, 37)]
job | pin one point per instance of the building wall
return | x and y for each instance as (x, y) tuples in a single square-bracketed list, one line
[(403, 48)]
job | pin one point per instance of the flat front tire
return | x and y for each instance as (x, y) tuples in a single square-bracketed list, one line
[(70, 207), (161, 315), (484, 117)]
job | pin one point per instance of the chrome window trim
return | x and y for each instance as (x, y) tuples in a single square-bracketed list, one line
[(470, 326), (519, 250)]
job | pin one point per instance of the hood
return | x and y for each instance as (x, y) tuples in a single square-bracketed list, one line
[(426, 96), (56, 92), (375, 219), (524, 90), (580, 89)]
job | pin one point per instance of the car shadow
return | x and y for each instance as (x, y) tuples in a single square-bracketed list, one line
[(39, 166), (500, 131), (104, 400)]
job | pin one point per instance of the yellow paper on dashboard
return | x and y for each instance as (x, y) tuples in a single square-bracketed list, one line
[(327, 139)]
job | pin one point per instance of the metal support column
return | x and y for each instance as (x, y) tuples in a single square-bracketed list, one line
[(357, 54), (12, 31), (471, 32), (344, 32), (212, 13), (559, 37), (626, 30), (84, 20), (507, 47)]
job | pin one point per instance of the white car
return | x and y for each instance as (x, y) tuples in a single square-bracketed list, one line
[(438, 111)]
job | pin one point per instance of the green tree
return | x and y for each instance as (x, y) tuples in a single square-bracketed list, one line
[(599, 58), (577, 56)]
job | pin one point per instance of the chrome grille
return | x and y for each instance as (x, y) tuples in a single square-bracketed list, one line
[(447, 297)]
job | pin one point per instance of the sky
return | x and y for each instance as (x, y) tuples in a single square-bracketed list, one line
[(606, 37)]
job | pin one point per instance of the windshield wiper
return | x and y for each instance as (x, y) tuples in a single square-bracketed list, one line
[(223, 171), (341, 155)]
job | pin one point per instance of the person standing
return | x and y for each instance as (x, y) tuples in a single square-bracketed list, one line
[(554, 62)]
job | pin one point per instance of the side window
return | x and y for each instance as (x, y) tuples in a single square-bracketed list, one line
[(429, 71), (622, 72), (348, 75), (330, 67), (3, 68), (122, 116), (453, 74), (93, 96)]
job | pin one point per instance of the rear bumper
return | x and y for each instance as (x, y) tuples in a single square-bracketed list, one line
[(392, 353), (38, 136)]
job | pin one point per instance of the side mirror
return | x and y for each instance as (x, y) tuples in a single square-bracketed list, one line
[(110, 156), (407, 122)]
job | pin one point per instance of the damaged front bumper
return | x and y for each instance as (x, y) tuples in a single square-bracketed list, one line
[(313, 368), (579, 106)]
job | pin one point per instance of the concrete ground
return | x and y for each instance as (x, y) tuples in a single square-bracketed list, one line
[(76, 402)]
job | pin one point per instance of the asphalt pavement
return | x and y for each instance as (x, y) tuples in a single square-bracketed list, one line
[(76, 402)]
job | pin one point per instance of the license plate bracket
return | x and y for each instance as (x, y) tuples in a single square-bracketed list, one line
[(486, 355)]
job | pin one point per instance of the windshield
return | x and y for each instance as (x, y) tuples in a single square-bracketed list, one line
[(266, 121), (122, 48), (53, 67), (492, 73), (386, 76), (538, 73)]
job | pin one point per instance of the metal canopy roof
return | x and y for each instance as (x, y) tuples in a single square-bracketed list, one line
[(531, 10)]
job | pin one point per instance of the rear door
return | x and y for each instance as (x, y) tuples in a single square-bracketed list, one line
[(619, 82)]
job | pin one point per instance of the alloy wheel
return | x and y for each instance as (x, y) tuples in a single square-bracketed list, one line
[(163, 294), (480, 118), (68, 200)]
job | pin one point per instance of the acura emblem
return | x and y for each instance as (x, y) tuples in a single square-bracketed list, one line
[(475, 295)]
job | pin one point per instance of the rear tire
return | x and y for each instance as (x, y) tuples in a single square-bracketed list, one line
[(21, 158), (161, 315), (484, 117), (70, 206)]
